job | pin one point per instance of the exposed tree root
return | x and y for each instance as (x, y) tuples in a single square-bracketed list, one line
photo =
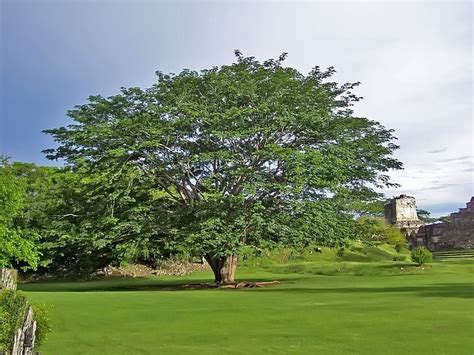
[(237, 285)]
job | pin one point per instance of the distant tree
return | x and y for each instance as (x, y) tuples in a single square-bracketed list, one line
[(248, 154), (376, 229), (424, 216), (444, 219), (87, 221), (371, 208)]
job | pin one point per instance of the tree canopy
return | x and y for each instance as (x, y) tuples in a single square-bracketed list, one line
[(252, 153)]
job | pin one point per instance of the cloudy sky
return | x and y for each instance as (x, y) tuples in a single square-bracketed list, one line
[(414, 59)]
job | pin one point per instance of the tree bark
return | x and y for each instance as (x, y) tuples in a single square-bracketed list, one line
[(223, 268)]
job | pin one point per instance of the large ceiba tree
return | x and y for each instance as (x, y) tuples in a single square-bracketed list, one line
[(248, 154)]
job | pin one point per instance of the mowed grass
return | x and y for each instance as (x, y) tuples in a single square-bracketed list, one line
[(366, 308)]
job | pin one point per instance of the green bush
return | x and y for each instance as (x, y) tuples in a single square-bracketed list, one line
[(375, 229), (13, 306), (421, 256), (42, 314), (4, 331), (399, 258)]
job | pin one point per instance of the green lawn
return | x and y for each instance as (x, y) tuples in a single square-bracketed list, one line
[(383, 310)]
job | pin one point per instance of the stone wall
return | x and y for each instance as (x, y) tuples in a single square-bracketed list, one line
[(455, 233)]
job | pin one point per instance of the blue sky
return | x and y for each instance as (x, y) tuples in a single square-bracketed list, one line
[(414, 59)]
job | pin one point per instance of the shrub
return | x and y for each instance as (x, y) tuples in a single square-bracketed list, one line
[(340, 252), (4, 331), (421, 256), (399, 258), (13, 306), (43, 322), (374, 229)]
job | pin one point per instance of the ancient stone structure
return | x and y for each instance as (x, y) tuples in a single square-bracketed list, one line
[(456, 233), (401, 211), (24, 341)]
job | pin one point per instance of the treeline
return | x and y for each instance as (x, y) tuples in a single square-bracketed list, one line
[(73, 222), (78, 222)]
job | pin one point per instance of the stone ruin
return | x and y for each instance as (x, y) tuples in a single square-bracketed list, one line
[(455, 233), (24, 340), (401, 211)]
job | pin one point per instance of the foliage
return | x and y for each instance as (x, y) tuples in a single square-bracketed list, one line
[(424, 216), (13, 306), (16, 244), (78, 230), (248, 154), (42, 313), (12, 192), (370, 208), (421, 255), (4, 331), (372, 229)]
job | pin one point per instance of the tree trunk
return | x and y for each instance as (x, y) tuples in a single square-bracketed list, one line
[(223, 268)]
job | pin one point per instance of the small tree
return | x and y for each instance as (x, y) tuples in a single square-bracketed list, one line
[(421, 256), (424, 216), (377, 229)]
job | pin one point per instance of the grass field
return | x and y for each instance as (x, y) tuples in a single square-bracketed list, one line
[(364, 308)]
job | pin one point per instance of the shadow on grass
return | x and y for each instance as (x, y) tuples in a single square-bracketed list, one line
[(456, 290), (459, 290), (130, 284)]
